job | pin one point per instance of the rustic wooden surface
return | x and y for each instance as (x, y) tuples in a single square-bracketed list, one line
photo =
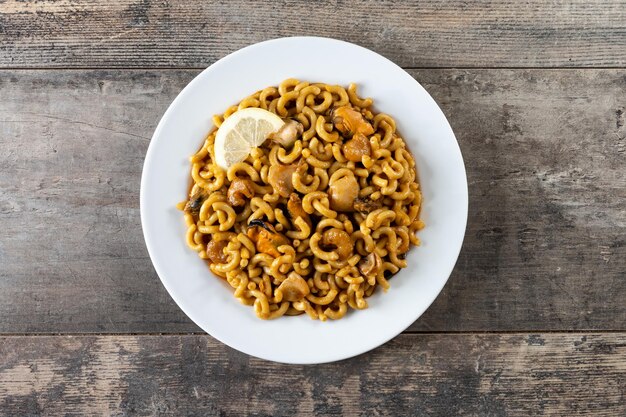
[(533, 319), (544, 248), (448, 375)]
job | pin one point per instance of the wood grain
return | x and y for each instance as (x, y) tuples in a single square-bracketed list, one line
[(545, 154), (545, 158), (72, 256), (428, 33), (494, 375)]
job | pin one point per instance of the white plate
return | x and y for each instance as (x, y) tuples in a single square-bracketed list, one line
[(206, 299)]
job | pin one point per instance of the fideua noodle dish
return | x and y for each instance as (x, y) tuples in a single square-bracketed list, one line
[(304, 200)]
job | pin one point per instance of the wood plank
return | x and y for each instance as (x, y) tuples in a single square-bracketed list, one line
[(545, 153), (496, 375), (428, 33), (545, 156), (72, 256)]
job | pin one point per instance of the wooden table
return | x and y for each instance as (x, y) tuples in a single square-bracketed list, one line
[(533, 319)]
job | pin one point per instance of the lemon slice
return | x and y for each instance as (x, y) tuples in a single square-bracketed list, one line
[(241, 132)]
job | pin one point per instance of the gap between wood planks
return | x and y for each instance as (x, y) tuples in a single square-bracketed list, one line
[(409, 332), (109, 68)]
